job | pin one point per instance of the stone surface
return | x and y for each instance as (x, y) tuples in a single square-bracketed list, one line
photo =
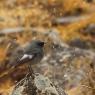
[(42, 86)]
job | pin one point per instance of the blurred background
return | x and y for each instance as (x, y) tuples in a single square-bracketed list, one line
[(69, 25)]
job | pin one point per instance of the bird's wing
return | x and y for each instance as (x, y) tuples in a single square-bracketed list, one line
[(23, 55), (26, 56), (19, 58)]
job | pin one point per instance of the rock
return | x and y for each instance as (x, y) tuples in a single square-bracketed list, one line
[(79, 43), (40, 85)]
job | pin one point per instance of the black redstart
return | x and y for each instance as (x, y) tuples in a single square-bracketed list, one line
[(32, 53)]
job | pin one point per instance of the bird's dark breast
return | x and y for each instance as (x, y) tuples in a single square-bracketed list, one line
[(38, 55)]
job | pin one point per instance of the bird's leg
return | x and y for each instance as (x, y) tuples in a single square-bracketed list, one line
[(30, 71), (30, 88)]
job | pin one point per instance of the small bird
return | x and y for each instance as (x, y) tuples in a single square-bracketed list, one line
[(32, 53)]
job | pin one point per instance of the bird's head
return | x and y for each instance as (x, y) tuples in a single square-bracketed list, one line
[(37, 43)]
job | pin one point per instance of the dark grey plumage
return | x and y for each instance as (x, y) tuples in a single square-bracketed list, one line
[(32, 53)]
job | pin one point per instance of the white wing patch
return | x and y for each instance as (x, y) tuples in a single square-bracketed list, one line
[(26, 56)]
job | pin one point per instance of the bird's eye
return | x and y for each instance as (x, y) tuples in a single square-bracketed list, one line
[(41, 43)]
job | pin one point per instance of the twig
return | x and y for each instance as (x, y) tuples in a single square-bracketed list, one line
[(70, 19), (21, 29)]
